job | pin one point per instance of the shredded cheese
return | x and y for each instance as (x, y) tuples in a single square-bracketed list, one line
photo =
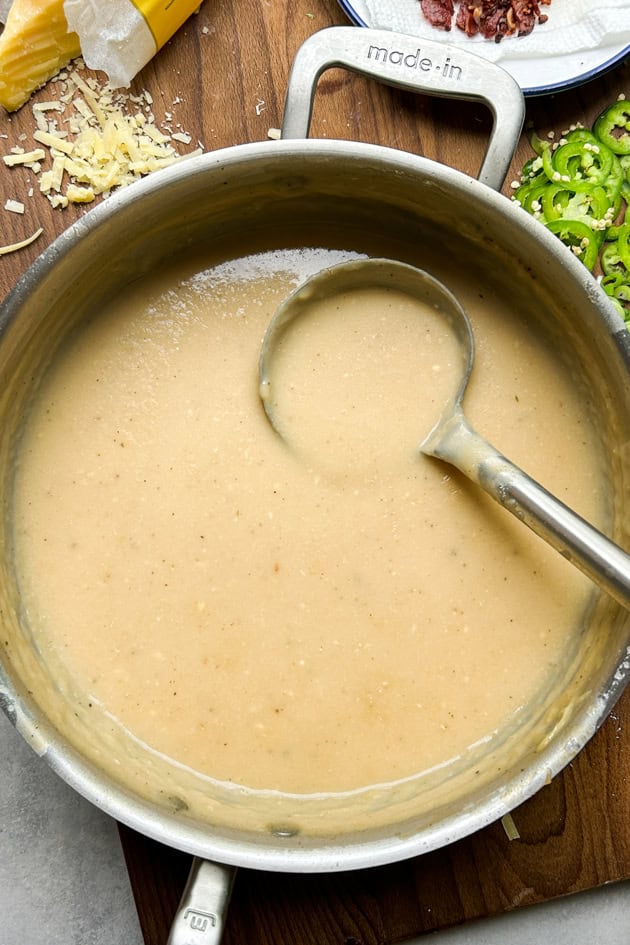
[(25, 157), (47, 107), (14, 206), (511, 830), (92, 142), (13, 247), (53, 141)]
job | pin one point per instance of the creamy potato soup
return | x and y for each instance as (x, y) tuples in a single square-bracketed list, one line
[(315, 612)]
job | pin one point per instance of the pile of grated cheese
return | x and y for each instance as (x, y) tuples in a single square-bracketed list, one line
[(90, 141)]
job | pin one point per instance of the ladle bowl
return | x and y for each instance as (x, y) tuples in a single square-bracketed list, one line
[(452, 439)]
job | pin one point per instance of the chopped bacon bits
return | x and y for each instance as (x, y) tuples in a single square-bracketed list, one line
[(492, 19), (438, 12)]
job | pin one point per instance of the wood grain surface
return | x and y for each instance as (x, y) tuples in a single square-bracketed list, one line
[(223, 78)]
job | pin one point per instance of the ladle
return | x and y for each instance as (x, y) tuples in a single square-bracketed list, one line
[(452, 439)]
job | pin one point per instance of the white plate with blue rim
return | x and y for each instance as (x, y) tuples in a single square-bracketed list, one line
[(575, 44)]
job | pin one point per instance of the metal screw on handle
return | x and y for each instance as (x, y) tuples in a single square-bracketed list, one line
[(200, 916), (418, 66)]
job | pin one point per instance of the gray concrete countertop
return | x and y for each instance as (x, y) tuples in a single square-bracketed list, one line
[(63, 879), (598, 917)]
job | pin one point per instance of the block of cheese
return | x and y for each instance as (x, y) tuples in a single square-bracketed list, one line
[(34, 46)]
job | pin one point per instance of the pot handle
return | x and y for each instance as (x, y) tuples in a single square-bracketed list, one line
[(199, 919), (416, 65)]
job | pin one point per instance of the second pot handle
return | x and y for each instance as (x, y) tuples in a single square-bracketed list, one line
[(417, 65)]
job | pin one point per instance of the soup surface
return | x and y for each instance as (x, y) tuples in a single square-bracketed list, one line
[(309, 613)]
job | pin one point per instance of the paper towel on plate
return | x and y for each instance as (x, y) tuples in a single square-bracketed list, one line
[(573, 26)]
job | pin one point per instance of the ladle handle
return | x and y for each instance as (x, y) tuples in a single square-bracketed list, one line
[(604, 562), (199, 919), (418, 66)]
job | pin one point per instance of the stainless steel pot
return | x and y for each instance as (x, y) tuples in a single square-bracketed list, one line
[(356, 189)]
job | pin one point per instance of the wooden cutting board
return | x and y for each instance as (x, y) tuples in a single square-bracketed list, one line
[(223, 78)]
